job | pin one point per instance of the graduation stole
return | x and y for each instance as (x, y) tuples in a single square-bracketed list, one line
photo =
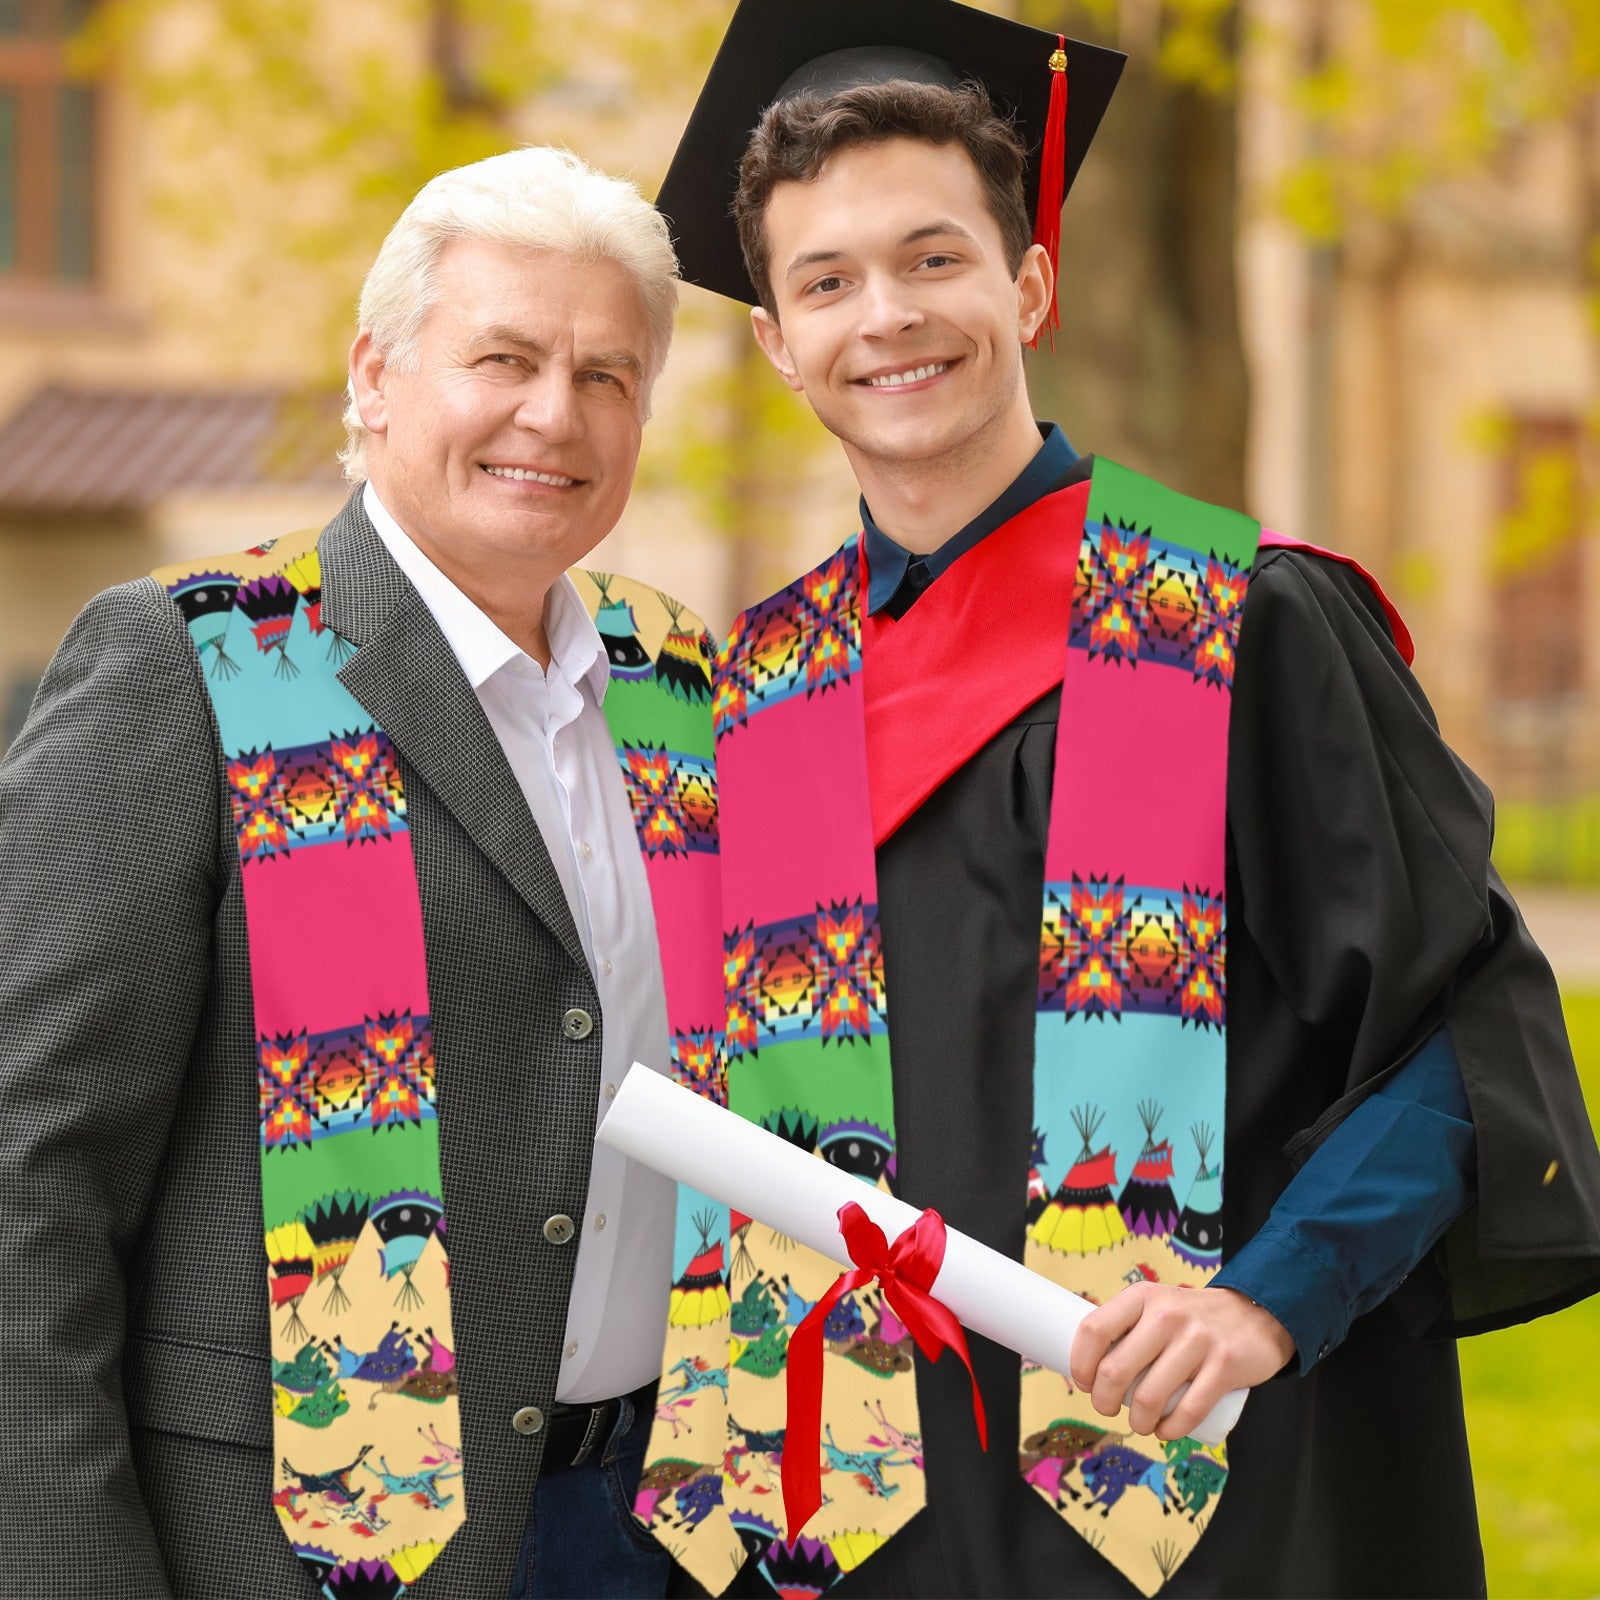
[(368, 1479), (1139, 591)]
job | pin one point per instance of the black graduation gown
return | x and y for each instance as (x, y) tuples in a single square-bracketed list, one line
[(1363, 911)]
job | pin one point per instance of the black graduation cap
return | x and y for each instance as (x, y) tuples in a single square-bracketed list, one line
[(778, 48)]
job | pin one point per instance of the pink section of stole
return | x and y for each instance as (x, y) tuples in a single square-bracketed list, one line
[(374, 956), (1107, 750), (820, 746)]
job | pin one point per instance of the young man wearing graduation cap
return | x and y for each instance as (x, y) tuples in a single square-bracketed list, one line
[(1001, 782)]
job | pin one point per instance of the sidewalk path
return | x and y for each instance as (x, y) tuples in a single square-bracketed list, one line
[(1566, 922)]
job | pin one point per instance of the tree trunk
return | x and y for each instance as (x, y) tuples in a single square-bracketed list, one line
[(1148, 367)]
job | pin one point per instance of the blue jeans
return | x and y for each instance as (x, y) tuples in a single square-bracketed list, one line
[(582, 1542)]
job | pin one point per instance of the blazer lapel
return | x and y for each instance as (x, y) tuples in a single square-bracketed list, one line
[(405, 673)]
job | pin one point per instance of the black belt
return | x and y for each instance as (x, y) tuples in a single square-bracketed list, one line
[(574, 1433)]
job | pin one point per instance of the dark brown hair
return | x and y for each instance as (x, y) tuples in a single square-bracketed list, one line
[(796, 137)]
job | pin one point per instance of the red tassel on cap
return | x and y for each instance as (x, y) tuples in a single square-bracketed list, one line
[(1052, 183)]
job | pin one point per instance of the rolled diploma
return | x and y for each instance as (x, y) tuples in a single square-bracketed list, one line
[(674, 1131)]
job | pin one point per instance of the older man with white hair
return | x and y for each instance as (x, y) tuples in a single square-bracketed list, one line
[(336, 878)]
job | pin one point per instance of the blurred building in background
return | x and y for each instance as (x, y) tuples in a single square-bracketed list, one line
[(173, 326), (122, 443), (1426, 396), (191, 189)]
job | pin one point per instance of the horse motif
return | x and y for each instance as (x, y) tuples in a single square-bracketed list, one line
[(867, 1465), (423, 1485), (696, 1374)]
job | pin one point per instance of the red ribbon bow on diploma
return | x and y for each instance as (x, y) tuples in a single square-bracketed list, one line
[(907, 1270)]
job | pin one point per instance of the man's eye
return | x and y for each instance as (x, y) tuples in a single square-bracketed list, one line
[(502, 357), (826, 285), (606, 377), (938, 261)]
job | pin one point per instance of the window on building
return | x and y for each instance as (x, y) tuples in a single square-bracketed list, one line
[(1538, 566), (1543, 625), (48, 136)]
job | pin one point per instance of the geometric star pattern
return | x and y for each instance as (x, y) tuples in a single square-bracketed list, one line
[(1109, 951), (804, 640), (346, 787), (697, 1064), (819, 976), (673, 797), (1136, 600), (378, 1075)]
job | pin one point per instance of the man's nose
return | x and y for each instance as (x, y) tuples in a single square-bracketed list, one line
[(549, 406), (887, 307)]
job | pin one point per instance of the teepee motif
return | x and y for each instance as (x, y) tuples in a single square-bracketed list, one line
[(333, 1224), (619, 632), (1146, 1202), (701, 1294), (1198, 1236), (1083, 1218), (206, 600), (291, 1257), (269, 604), (680, 667)]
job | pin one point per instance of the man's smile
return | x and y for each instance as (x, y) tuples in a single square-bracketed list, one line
[(901, 379), (553, 480)]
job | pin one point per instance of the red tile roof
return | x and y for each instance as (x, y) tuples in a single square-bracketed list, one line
[(91, 450)]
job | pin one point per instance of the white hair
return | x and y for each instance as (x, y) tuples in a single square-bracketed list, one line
[(537, 197)]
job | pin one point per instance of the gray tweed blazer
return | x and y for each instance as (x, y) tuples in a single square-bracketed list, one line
[(136, 1456)]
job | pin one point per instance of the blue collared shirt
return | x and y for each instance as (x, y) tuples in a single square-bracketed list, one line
[(1367, 1206), (1377, 1195), (899, 576)]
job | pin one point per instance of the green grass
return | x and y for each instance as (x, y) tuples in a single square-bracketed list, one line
[(1548, 842), (1534, 1421)]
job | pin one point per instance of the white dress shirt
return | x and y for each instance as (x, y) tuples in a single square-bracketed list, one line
[(554, 734)]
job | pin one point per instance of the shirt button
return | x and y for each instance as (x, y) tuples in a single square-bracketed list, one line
[(588, 851), (600, 1222), (530, 1419), (611, 1091), (559, 1229), (607, 968), (572, 1350), (577, 1023)]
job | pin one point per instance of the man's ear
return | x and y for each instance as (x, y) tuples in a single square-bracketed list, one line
[(1036, 282), (367, 372), (774, 347)]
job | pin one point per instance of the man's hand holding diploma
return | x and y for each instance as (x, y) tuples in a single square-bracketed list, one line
[(1213, 1340), (670, 1128)]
